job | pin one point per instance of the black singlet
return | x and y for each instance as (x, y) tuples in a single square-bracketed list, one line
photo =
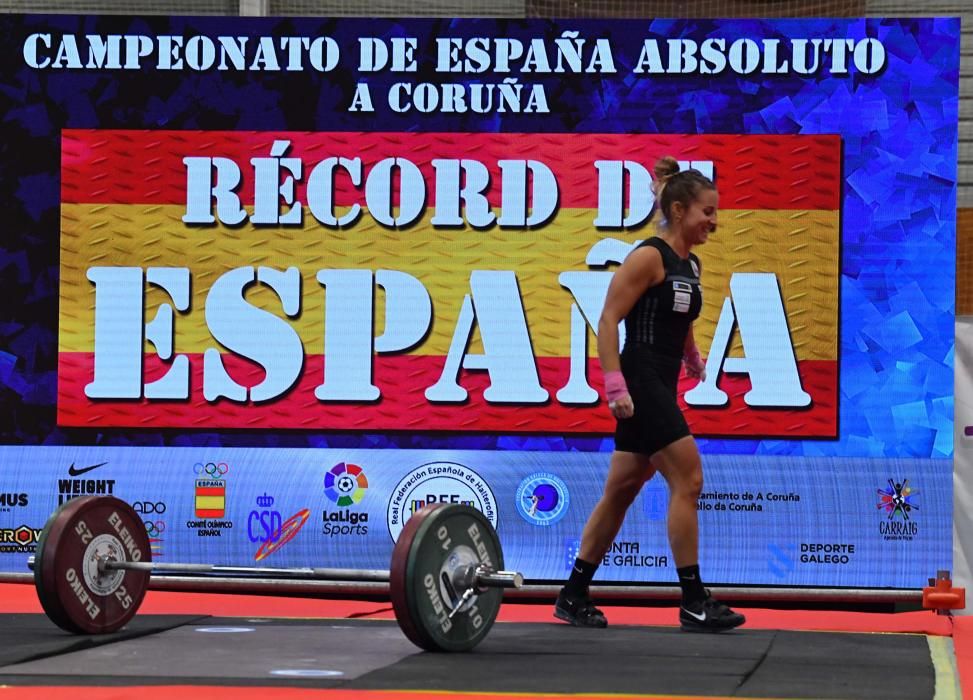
[(655, 333), (661, 317)]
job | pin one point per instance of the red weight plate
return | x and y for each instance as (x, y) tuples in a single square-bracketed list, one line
[(399, 586), (53, 611), (73, 592)]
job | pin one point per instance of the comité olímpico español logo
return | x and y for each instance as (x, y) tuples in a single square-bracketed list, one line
[(209, 499), (899, 503)]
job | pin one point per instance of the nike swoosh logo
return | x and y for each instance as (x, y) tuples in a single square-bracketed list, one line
[(75, 471), (699, 616)]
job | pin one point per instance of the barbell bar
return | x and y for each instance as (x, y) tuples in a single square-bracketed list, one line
[(323, 574), (483, 578), (93, 566)]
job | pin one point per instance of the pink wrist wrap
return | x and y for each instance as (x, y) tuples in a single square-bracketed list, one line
[(615, 387)]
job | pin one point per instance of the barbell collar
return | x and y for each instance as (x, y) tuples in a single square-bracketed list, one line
[(498, 579), (467, 595)]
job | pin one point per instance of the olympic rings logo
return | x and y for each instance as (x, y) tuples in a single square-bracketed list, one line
[(211, 469), (154, 528)]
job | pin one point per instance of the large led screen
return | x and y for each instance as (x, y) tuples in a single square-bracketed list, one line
[(281, 282)]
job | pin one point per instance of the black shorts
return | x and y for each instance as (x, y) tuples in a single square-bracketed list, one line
[(658, 421)]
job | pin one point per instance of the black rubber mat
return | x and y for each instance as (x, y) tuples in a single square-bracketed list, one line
[(26, 637), (516, 657), (656, 660)]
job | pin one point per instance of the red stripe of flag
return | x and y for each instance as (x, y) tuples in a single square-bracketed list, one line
[(211, 491), (211, 513), (403, 380), (753, 171)]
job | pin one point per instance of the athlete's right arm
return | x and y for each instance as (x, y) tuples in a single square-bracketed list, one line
[(642, 269)]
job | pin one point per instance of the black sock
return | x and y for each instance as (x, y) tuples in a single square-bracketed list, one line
[(693, 590), (581, 575)]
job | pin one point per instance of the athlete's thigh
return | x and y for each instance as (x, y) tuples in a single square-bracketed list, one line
[(679, 463), (628, 470)]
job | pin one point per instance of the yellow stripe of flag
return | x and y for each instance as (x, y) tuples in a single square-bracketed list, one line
[(800, 247), (210, 502)]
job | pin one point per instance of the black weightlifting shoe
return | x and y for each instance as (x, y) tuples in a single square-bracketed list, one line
[(580, 612), (709, 615)]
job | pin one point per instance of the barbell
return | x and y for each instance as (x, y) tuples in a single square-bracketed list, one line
[(93, 565)]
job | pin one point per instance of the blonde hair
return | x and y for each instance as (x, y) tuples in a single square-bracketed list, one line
[(665, 167)]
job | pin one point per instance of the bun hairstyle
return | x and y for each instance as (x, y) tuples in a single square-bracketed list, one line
[(664, 168)]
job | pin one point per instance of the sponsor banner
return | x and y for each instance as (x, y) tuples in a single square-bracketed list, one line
[(386, 244), (764, 520)]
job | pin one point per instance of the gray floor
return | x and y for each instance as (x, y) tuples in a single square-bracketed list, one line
[(530, 658)]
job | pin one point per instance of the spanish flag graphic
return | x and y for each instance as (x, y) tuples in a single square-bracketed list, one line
[(427, 281), (210, 499)]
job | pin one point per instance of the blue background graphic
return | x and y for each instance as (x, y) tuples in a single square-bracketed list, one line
[(898, 129)]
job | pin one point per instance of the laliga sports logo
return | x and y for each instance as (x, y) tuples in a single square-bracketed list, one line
[(439, 482), (542, 499), (345, 484)]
